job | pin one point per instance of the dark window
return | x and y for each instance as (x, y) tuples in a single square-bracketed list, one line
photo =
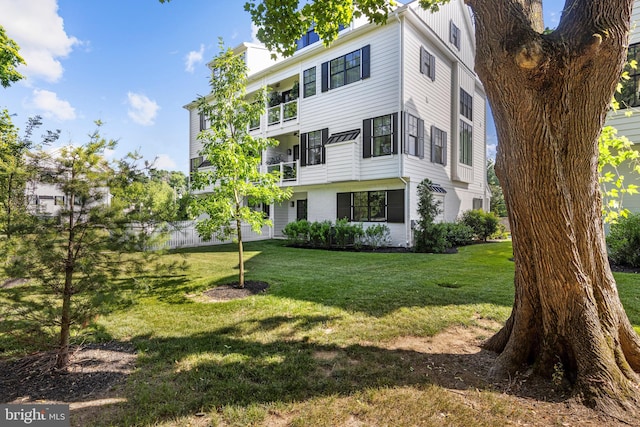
[(466, 143), (438, 146), (203, 121), (427, 64), (312, 147), (346, 69), (372, 206), (477, 204), (195, 163), (629, 95), (413, 135), (309, 82), (454, 35), (466, 104), (301, 209), (308, 38), (380, 136)]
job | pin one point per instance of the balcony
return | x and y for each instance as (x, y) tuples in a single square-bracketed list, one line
[(281, 113), (288, 171)]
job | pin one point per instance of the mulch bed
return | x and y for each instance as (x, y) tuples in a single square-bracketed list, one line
[(95, 369), (232, 291)]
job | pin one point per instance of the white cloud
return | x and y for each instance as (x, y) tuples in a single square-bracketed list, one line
[(39, 31), (193, 58), (51, 106), (142, 110), (163, 161)]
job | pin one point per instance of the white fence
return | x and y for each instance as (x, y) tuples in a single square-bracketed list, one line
[(183, 234)]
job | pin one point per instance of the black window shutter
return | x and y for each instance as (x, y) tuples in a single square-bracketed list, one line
[(366, 138), (325, 136), (432, 68), (422, 59), (395, 206), (344, 206), (433, 143), (444, 148), (420, 148), (366, 61), (324, 75), (396, 134), (303, 149), (405, 132)]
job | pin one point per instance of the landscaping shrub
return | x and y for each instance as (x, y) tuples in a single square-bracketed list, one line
[(484, 224), (624, 241), (377, 236), (458, 234), (320, 234), (297, 232), (346, 233), (433, 239)]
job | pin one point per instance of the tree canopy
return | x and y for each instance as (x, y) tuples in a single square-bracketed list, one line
[(9, 60)]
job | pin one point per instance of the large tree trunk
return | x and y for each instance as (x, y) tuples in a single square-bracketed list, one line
[(549, 95)]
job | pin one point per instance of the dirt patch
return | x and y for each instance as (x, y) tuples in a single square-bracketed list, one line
[(95, 370), (232, 291)]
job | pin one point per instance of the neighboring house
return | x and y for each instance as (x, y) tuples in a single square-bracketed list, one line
[(629, 101), (361, 123)]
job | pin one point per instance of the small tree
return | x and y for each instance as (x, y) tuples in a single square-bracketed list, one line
[(234, 181), (75, 252), (428, 236)]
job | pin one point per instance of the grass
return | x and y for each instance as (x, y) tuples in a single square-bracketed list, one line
[(315, 349)]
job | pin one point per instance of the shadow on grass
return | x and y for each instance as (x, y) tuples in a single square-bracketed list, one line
[(206, 372)]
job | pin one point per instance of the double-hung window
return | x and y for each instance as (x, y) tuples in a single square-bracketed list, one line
[(466, 104), (466, 143), (413, 135), (629, 95), (427, 64), (380, 136), (307, 38), (346, 69), (309, 82), (313, 147), (438, 146), (372, 206), (454, 35), (202, 119)]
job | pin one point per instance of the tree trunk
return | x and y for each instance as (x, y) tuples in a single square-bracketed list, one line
[(240, 256), (62, 359), (549, 95)]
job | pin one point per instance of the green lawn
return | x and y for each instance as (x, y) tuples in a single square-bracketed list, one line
[(314, 350)]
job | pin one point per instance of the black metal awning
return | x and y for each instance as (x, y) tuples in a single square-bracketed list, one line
[(349, 135), (437, 188)]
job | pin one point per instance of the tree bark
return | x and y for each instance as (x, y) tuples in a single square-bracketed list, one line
[(550, 95), (62, 359), (240, 255)]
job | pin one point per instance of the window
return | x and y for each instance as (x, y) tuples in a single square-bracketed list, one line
[(372, 206), (413, 135), (195, 163), (629, 96), (203, 121), (477, 203), (309, 82), (427, 64), (380, 136), (438, 146), (346, 69), (313, 147), (307, 38), (59, 200), (466, 143), (466, 104), (454, 35)]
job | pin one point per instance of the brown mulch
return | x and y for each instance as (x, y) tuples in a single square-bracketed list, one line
[(232, 291), (94, 370)]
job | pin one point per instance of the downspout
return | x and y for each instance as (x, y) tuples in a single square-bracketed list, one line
[(407, 190)]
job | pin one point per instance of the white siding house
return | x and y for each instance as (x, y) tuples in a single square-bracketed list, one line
[(378, 111), (629, 100)]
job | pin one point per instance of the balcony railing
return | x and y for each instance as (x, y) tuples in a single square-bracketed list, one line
[(282, 113), (288, 171)]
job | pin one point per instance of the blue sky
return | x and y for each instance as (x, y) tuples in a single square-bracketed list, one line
[(131, 64)]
